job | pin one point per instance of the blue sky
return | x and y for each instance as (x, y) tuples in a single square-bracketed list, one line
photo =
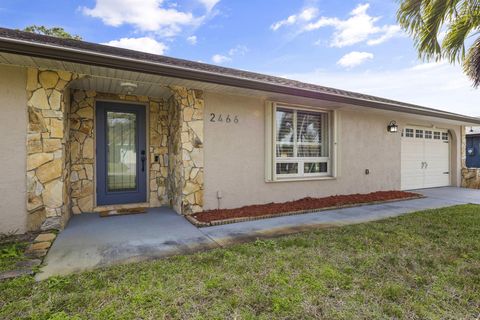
[(353, 45)]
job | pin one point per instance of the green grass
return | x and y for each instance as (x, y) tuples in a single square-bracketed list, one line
[(10, 254), (424, 265)]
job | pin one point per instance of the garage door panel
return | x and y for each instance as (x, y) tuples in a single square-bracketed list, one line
[(425, 159)]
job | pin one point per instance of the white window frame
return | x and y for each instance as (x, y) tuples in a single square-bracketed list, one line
[(273, 159)]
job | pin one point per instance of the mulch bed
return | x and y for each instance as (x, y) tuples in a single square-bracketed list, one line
[(305, 204)]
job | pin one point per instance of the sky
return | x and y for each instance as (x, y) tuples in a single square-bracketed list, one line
[(351, 45)]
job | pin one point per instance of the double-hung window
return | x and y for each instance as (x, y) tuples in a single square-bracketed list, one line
[(301, 143)]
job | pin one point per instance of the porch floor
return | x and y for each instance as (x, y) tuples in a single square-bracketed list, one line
[(90, 242)]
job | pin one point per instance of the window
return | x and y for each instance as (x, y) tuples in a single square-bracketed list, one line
[(444, 136), (436, 135), (409, 133), (302, 145), (428, 134), (419, 134)]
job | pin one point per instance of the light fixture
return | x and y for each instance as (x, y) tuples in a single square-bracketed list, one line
[(129, 87), (392, 127)]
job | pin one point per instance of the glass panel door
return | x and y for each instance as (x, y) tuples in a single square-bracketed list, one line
[(122, 151)]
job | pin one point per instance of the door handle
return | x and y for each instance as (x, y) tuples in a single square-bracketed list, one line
[(142, 158)]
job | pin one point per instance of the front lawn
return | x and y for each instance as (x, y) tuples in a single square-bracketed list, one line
[(422, 265)]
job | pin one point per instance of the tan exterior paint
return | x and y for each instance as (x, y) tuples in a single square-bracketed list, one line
[(13, 132), (234, 156)]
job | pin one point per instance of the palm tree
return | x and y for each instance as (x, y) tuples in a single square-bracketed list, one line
[(457, 20)]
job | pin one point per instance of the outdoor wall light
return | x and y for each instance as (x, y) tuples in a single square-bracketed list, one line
[(129, 87), (392, 127)]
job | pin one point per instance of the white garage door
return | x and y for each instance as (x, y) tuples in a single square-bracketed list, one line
[(425, 158)]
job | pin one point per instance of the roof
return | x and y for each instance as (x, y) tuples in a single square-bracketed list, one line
[(30, 44)]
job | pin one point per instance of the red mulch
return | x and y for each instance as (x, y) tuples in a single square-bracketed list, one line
[(300, 205)]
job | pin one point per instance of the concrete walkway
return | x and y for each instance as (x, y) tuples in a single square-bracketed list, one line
[(91, 242)]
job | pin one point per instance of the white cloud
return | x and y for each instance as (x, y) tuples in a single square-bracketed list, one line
[(239, 50), (437, 85), (209, 4), (305, 15), (146, 15), (390, 31), (220, 59), (358, 27), (354, 58), (144, 44), (192, 40)]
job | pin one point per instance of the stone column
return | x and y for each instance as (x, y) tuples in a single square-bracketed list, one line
[(47, 197), (186, 114)]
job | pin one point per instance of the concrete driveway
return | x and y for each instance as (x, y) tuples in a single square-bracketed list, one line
[(90, 242)]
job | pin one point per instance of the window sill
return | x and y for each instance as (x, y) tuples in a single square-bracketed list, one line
[(297, 179)]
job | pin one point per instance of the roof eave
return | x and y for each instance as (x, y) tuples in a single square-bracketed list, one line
[(41, 50)]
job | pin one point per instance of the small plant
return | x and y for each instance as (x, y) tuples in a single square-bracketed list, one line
[(12, 251)]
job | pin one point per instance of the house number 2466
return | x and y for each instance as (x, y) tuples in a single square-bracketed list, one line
[(220, 118)]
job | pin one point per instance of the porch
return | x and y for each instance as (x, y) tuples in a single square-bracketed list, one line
[(102, 142)]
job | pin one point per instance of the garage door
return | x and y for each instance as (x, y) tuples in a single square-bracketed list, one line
[(425, 158)]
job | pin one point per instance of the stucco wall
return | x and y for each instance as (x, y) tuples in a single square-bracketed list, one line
[(13, 130), (234, 156)]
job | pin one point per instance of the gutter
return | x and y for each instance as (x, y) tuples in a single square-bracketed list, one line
[(41, 50)]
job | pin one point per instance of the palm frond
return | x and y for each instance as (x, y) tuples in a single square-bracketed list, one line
[(471, 64), (424, 20), (409, 15), (454, 41)]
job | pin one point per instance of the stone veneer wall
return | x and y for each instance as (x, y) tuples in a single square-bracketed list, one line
[(471, 178), (47, 146), (60, 148), (82, 153), (185, 182), (158, 142)]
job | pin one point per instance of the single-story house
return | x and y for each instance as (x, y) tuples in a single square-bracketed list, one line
[(86, 127)]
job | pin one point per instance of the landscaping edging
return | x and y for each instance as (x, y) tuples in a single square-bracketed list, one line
[(201, 224)]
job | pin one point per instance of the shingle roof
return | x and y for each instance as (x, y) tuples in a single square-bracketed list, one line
[(29, 43)]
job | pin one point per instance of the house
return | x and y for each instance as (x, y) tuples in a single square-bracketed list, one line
[(86, 127)]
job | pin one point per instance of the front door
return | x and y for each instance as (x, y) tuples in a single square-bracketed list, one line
[(121, 157)]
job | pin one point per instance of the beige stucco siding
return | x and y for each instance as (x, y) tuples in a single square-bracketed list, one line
[(13, 122), (235, 156)]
